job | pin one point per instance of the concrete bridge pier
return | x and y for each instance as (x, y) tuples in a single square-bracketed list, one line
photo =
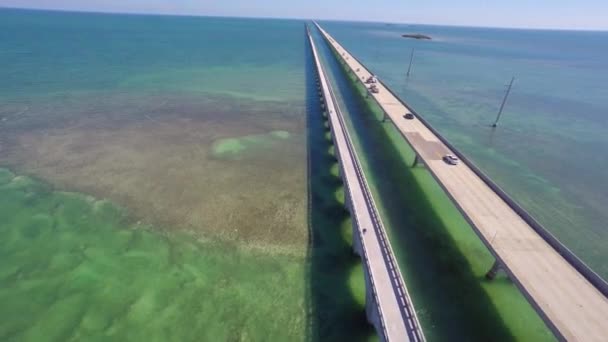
[(357, 245), (416, 161), (371, 306), (348, 203), (493, 272)]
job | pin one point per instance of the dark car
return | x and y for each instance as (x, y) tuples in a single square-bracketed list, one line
[(451, 159), (409, 116)]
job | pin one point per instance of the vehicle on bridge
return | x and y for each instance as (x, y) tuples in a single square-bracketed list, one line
[(372, 79), (409, 116), (451, 159), (374, 89)]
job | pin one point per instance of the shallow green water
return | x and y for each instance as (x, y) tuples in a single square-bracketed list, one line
[(234, 147), (74, 269), (138, 230), (174, 201), (77, 268)]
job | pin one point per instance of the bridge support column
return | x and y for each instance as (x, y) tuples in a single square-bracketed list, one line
[(416, 161), (371, 307), (493, 272), (357, 243), (348, 202), (384, 116)]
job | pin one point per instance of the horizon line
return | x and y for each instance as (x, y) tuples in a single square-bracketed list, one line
[(296, 18)]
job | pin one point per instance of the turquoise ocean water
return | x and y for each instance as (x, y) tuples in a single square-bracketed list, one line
[(157, 186), (170, 177)]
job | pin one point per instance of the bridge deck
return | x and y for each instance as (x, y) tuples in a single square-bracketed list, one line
[(570, 305), (397, 316)]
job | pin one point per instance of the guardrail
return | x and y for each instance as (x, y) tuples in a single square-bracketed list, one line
[(409, 316), (597, 281)]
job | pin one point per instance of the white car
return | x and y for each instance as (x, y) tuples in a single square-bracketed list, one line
[(451, 159), (371, 80)]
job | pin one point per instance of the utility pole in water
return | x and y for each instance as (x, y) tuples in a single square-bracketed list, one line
[(504, 100), (409, 68)]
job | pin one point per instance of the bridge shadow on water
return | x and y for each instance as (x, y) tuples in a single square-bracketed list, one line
[(448, 296), (336, 294)]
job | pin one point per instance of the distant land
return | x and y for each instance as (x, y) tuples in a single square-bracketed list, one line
[(416, 36)]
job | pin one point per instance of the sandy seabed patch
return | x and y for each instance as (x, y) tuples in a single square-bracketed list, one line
[(154, 156)]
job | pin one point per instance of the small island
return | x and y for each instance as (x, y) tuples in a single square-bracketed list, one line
[(416, 36)]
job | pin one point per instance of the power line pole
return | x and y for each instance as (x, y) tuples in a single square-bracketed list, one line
[(504, 100), (409, 68)]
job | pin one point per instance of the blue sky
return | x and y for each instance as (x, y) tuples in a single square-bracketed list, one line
[(565, 14)]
